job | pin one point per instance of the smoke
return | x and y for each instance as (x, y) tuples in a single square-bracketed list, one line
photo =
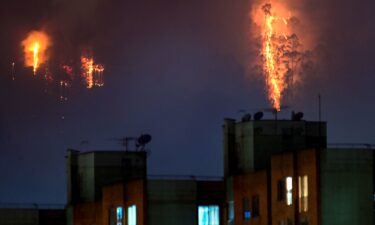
[(331, 30)]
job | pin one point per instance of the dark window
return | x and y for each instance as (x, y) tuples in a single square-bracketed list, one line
[(304, 221), (258, 130), (255, 202), (246, 203), (280, 190), (112, 216)]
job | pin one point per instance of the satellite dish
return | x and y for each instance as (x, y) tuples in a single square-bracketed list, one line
[(144, 139), (297, 116), (258, 116), (246, 117)]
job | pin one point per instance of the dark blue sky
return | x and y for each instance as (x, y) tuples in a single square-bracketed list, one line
[(174, 69)]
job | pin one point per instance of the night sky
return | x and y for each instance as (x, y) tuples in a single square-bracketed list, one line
[(174, 69)]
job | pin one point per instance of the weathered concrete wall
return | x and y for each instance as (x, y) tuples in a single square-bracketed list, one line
[(52, 217), (32, 216), (135, 195), (245, 147), (123, 194), (281, 167), (72, 176), (272, 137), (347, 187), (307, 165), (117, 166), (249, 145), (172, 202), (113, 197), (295, 165), (88, 214), (19, 217), (86, 178), (247, 186)]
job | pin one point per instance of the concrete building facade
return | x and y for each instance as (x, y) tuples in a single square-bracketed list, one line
[(102, 191), (89, 172), (286, 175), (32, 214), (276, 172)]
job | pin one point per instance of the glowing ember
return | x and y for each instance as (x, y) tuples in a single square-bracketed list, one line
[(88, 68), (13, 71), (98, 72), (68, 70), (92, 73), (280, 50), (64, 85), (35, 46), (48, 75)]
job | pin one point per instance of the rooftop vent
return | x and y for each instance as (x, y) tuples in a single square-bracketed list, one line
[(246, 117), (258, 116), (297, 116)]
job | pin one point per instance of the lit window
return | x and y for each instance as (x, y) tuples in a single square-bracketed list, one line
[(119, 215), (132, 215), (247, 215), (246, 208), (208, 215), (289, 189), (303, 193), (230, 212)]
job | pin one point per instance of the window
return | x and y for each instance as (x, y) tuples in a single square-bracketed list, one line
[(255, 202), (246, 208), (304, 220), (230, 212), (303, 193), (247, 214), (132, 215), (208, 215), (112, 216), (119, 215), (289, 189), (280, 190)]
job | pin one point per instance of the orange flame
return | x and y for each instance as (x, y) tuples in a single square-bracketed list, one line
[(275, 34), (68, 70), (35, 46), (92, 73), (99, 69)]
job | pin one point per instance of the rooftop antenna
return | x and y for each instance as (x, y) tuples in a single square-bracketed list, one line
[(139, 142), (142, 141), (320, 107), (84, 143), (274, 111)]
